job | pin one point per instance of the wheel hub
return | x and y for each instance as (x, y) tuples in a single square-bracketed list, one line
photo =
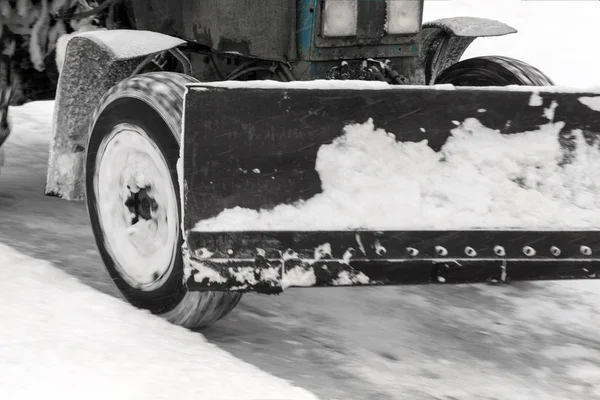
[(140, 204), (137, 206)]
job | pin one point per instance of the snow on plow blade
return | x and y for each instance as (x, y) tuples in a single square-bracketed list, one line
[(356, 183)]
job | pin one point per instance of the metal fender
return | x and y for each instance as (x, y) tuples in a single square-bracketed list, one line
[(94, 62), (444, 41)]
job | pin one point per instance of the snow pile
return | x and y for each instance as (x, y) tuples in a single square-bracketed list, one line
[(480, 179), (61, 337)]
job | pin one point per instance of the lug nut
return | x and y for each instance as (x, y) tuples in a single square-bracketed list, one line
[(499, 251), (529, 251), (470, 251)]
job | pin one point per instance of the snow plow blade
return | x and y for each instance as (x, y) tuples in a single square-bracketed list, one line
[(250, 147)]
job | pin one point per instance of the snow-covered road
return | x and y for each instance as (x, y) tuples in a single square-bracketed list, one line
[(60, 337), (525, 341)]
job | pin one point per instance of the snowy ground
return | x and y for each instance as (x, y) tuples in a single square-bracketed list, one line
[(62, 337), (526, 341)]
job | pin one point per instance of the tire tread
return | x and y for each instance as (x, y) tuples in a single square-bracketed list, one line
[(165, 91), (493, 71)]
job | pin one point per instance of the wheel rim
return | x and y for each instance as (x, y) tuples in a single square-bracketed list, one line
[(136, 205)]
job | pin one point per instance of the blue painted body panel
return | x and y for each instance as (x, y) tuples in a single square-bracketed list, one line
[(317, 59), (305, 27)]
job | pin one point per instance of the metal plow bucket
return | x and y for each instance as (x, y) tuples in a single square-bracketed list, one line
[(272, 147)]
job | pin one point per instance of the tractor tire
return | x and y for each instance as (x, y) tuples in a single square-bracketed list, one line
[(133, 199), (493, 71)]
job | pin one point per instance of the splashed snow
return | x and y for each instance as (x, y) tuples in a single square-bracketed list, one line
[(323, 250), (370, 181), (60, 336), (347, 278), (536, 100), (298, 276), (204, 272)]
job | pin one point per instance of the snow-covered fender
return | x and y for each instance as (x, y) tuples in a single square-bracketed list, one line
[(94, 62), (444, 41)]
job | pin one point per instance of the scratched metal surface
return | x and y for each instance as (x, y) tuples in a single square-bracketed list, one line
[(279, 131)]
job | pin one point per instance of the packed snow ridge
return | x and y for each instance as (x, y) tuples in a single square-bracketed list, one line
[(479, 179), (60, 336)]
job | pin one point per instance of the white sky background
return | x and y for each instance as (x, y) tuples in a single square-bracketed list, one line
[(557, 36)]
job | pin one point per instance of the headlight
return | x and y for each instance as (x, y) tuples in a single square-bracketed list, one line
[(340, 18), (403, 16)]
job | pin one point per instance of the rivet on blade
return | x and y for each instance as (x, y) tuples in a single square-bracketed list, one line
[(585, 250), (555, 251), (289, 254), (470, 251), (529, 251), (441, 251), (204, 253), (499, 251), (412, 251)]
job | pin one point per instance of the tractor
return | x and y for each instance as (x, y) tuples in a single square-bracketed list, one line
[(165, 123)]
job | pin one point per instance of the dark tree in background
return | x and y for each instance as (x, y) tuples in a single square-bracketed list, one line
[(30, 30)]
